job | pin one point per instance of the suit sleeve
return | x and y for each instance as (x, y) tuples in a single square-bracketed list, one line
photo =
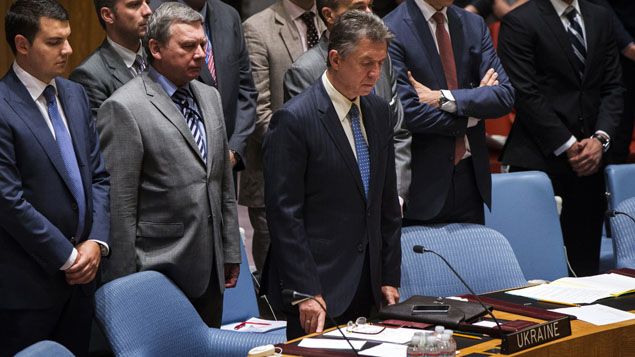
[(295, 81), (122, 147), (285, 157), (622, 37), (95, 90)]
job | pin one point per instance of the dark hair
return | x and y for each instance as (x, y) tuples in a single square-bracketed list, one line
[(353, 26), (103, 3), (23, 18)]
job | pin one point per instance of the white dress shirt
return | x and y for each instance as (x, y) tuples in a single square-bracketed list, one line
[(126, 55)]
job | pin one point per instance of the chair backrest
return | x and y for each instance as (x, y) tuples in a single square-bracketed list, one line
[(524, 211), (619, 183), (239, 303), (479, 254), (623, 229), (45, 348)]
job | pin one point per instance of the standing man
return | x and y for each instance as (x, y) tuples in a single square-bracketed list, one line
[(164, 142), (562, 59), (312, 64), (228, 70), (450, 52), (120, 56), (331, 192), (275, 37), (53, 188)]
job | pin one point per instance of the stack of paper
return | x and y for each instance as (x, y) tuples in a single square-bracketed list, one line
[(255, 324), (392, 335), (597, 314)]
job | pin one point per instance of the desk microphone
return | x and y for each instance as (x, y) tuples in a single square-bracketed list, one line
[(613, 213), (421, 250), (298, 297)]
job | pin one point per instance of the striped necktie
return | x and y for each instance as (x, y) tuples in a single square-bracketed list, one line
[(576, 36), (138, 66), (193, 119), (361, 148)]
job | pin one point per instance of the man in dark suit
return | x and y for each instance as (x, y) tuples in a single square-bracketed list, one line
[(562, 59), (53, 188), (227, 68), (120, 56), (450, 52), (331, 194)]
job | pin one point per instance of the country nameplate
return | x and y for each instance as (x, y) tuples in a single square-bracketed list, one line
[(535, 335)]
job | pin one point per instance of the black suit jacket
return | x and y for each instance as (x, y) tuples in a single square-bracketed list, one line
[(38, 213), (321, 224), (552, 102)]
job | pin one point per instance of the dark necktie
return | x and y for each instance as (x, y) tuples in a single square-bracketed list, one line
[(576, 36), (138, 66), (311, 32), (449, 69), (361, 148), (182, 99), (65, 144)]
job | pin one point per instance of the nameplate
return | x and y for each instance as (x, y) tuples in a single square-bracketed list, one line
[(535, 335)]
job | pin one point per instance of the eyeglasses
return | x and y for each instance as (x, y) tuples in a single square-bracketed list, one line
[(362, 326)]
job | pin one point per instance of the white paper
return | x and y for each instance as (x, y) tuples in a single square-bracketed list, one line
[(614, 284), (256, 325), (485, 323), (386, 350), (330, 343), (561, 294), (597, 314), (393, 335)]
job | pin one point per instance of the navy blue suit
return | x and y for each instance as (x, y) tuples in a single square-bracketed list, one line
[(38, 213), (434, 131), (322, 226)]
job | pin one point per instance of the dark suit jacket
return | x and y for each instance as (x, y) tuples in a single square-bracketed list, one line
[(434, 131), (320, 223), (552, 103), (39, 213)]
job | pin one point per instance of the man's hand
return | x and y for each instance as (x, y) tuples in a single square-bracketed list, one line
[(490, 78), (232, 271), (426, 95), (390, 294), (85, 267), (232, 158), (312, 315), (588, 160), (629, 51)]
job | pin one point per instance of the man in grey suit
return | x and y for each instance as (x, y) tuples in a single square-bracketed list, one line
[(275, 38), (172, 196), (120, 56), (312, 64)]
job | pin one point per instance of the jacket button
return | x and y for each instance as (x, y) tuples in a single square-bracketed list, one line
[(360, 247), (74, 206), (73, 241), (580, 118), (209, 217)]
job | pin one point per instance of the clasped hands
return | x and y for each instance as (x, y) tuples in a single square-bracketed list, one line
[(585, 156)]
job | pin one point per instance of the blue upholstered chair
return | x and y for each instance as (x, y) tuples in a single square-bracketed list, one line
[(620, 185), (45, 348), (145, 314), (623, 229), (480, 255), (524, 211), (239, 303)]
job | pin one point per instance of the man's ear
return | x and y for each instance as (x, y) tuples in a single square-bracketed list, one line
[(154, 47), (107, 15), (22, 44)]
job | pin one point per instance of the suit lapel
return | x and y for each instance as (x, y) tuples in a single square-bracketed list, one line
[(556, 27), (119, 70), (455, 24), (288, 32), (421, 30), (591, 35), (207, 113)]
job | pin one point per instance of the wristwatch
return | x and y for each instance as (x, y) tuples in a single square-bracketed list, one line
[(442, 100), (604, 140)]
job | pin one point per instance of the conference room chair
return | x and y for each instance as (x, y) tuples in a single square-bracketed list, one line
[(620, 186), (482, 257), (524, 211), (623, 230), (146, 314), (45, 348)]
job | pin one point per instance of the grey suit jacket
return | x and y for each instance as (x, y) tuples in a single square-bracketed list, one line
[(274, 43), (171, 212), (309, 68), (101, 74)]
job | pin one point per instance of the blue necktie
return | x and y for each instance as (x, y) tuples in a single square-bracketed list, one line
[(182, 100), (65, 144), (361, 148), (576, 36)]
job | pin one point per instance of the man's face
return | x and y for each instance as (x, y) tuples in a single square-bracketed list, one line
[(48, 55), (130, 18), (440, 4), (181, 58), (357, 73), (332, 15)]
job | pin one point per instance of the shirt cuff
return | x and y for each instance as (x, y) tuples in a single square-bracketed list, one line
[(450, 105), (70, 260), (602, 132), (471, 121), (106, 249), (565, 146)]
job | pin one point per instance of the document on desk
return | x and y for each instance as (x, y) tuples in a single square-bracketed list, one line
[(330, 343), (597, 314), (255, 324), (614, 284), (392, 335), (386, 350)]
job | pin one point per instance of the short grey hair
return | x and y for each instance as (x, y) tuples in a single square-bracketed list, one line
[(352, 27), (163, 18)]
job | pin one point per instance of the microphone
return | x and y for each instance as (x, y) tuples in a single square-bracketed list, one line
[(613, 213), (421, 250), (294, 295)]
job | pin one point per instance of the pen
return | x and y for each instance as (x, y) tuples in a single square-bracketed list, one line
[(559, 303), (244, 323), (467, 336)]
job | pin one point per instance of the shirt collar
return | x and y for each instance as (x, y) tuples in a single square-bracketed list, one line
[(561, 6), (165, 83), (340, 102), (126, 55), (295, 11), (428, 11), (34, 86)]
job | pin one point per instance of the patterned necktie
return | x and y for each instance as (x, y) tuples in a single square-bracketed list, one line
[(209, 60), (361, 148), (138, 66), (449, 68), (65, 144), (576, 36), (193, 119), (311, 32)]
